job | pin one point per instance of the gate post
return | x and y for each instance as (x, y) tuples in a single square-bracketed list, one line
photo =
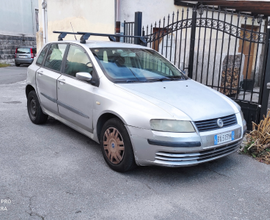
[(192, 42), (266, 79), (138, 26)]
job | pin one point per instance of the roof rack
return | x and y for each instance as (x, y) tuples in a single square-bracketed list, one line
[(86, 35)]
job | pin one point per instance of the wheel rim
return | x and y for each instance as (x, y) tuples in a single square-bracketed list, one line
[(33, 107), (113, 145)]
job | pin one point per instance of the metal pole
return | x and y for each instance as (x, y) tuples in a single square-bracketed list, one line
[(138, 26), (265, 92)]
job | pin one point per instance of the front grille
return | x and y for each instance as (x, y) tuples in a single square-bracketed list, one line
[(199, 157), (208, 125)]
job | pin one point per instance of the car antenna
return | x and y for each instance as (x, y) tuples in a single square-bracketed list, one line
[(73, 31)]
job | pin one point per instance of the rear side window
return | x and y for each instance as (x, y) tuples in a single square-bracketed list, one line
[(54, 56), (23, 50), (42, 55)]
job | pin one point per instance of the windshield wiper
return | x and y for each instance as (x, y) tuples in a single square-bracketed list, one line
[(159, 79), (177, 78)]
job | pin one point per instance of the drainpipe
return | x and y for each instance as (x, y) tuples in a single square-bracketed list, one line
[(44, 13), (117, 10)]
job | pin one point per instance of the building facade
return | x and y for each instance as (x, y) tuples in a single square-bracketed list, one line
[(74, 16)]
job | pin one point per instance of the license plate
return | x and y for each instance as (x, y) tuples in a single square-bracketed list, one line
[(22, 56), (224, 137)]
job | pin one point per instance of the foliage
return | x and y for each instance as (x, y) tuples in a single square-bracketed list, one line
[(4, 65), (258, 140)]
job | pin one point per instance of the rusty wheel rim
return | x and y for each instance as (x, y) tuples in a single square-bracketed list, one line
[(113, 145)]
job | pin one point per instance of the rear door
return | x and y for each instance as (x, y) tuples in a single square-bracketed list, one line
[(47, 75), (76, 97)]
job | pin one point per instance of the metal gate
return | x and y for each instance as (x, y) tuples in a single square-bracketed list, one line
[(221, 49)]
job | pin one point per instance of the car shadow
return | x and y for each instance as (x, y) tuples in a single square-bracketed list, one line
[(220, 168)]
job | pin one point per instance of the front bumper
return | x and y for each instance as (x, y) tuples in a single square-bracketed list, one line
[(181, 149)]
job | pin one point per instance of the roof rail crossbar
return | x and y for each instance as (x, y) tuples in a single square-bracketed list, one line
[(112, 37), (62, 34)]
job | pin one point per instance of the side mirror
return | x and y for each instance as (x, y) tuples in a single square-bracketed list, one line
[(84, 76)]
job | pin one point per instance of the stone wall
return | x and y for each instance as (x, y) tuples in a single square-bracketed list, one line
[(8, 46)]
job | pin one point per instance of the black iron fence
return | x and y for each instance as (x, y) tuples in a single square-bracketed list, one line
[(221, 49), (129, 31)]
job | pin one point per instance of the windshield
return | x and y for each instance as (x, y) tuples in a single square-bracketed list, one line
[(136, 65)]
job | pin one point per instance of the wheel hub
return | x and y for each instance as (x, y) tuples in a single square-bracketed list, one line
[(113, 145), (33, 107)]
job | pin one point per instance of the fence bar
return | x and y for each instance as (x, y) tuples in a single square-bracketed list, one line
[(192, 42), (186, 41), (227, 62), (222, 44), (215, 52), (175, 48), (204, 43), (210, 44), (198, 46)]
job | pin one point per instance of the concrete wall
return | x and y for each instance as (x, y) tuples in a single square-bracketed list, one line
[(84, 15), (152, 10), (18, 26), (17, 17)]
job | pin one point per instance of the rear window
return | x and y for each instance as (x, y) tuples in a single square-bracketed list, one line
[(23, 50)]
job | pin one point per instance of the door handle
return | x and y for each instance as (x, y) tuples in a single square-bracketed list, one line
[(40, 73), (62, 81)]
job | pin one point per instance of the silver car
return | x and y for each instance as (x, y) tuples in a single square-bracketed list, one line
[(138, 106), (24, 55)]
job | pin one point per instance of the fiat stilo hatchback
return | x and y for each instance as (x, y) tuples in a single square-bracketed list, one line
[(137, 105)]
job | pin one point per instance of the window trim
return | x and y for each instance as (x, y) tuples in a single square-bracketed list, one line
[(49, 45), (94, 72), (43, 66)]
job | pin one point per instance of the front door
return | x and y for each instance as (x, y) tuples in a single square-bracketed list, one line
[(76, 97)]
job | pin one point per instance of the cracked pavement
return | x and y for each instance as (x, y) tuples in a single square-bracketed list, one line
[(52, 172)]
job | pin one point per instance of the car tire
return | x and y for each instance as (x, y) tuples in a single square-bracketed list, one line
[(116, 146), (17, 64), (35, 112)]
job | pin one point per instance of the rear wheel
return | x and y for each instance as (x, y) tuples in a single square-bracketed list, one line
[(116, 146), (34, 110), (17, 64)]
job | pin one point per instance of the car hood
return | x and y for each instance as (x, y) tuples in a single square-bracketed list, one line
[(193, 99)]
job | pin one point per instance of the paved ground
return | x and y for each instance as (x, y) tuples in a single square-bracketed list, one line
[(52, 172), (12, 74)]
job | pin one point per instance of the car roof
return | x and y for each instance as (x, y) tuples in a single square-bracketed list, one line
[(26, 47), (104, 44)]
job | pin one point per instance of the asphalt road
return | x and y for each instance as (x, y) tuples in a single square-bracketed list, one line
[(12, 74), (52, 172)]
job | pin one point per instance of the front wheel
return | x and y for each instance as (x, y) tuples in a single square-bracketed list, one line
[(116, 146), (35, 112)]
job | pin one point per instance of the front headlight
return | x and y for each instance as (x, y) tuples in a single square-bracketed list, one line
[(244, 121), (176, 126)]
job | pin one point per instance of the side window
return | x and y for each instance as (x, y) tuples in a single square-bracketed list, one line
[(55, 56), (42, 55), (77, 61)]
